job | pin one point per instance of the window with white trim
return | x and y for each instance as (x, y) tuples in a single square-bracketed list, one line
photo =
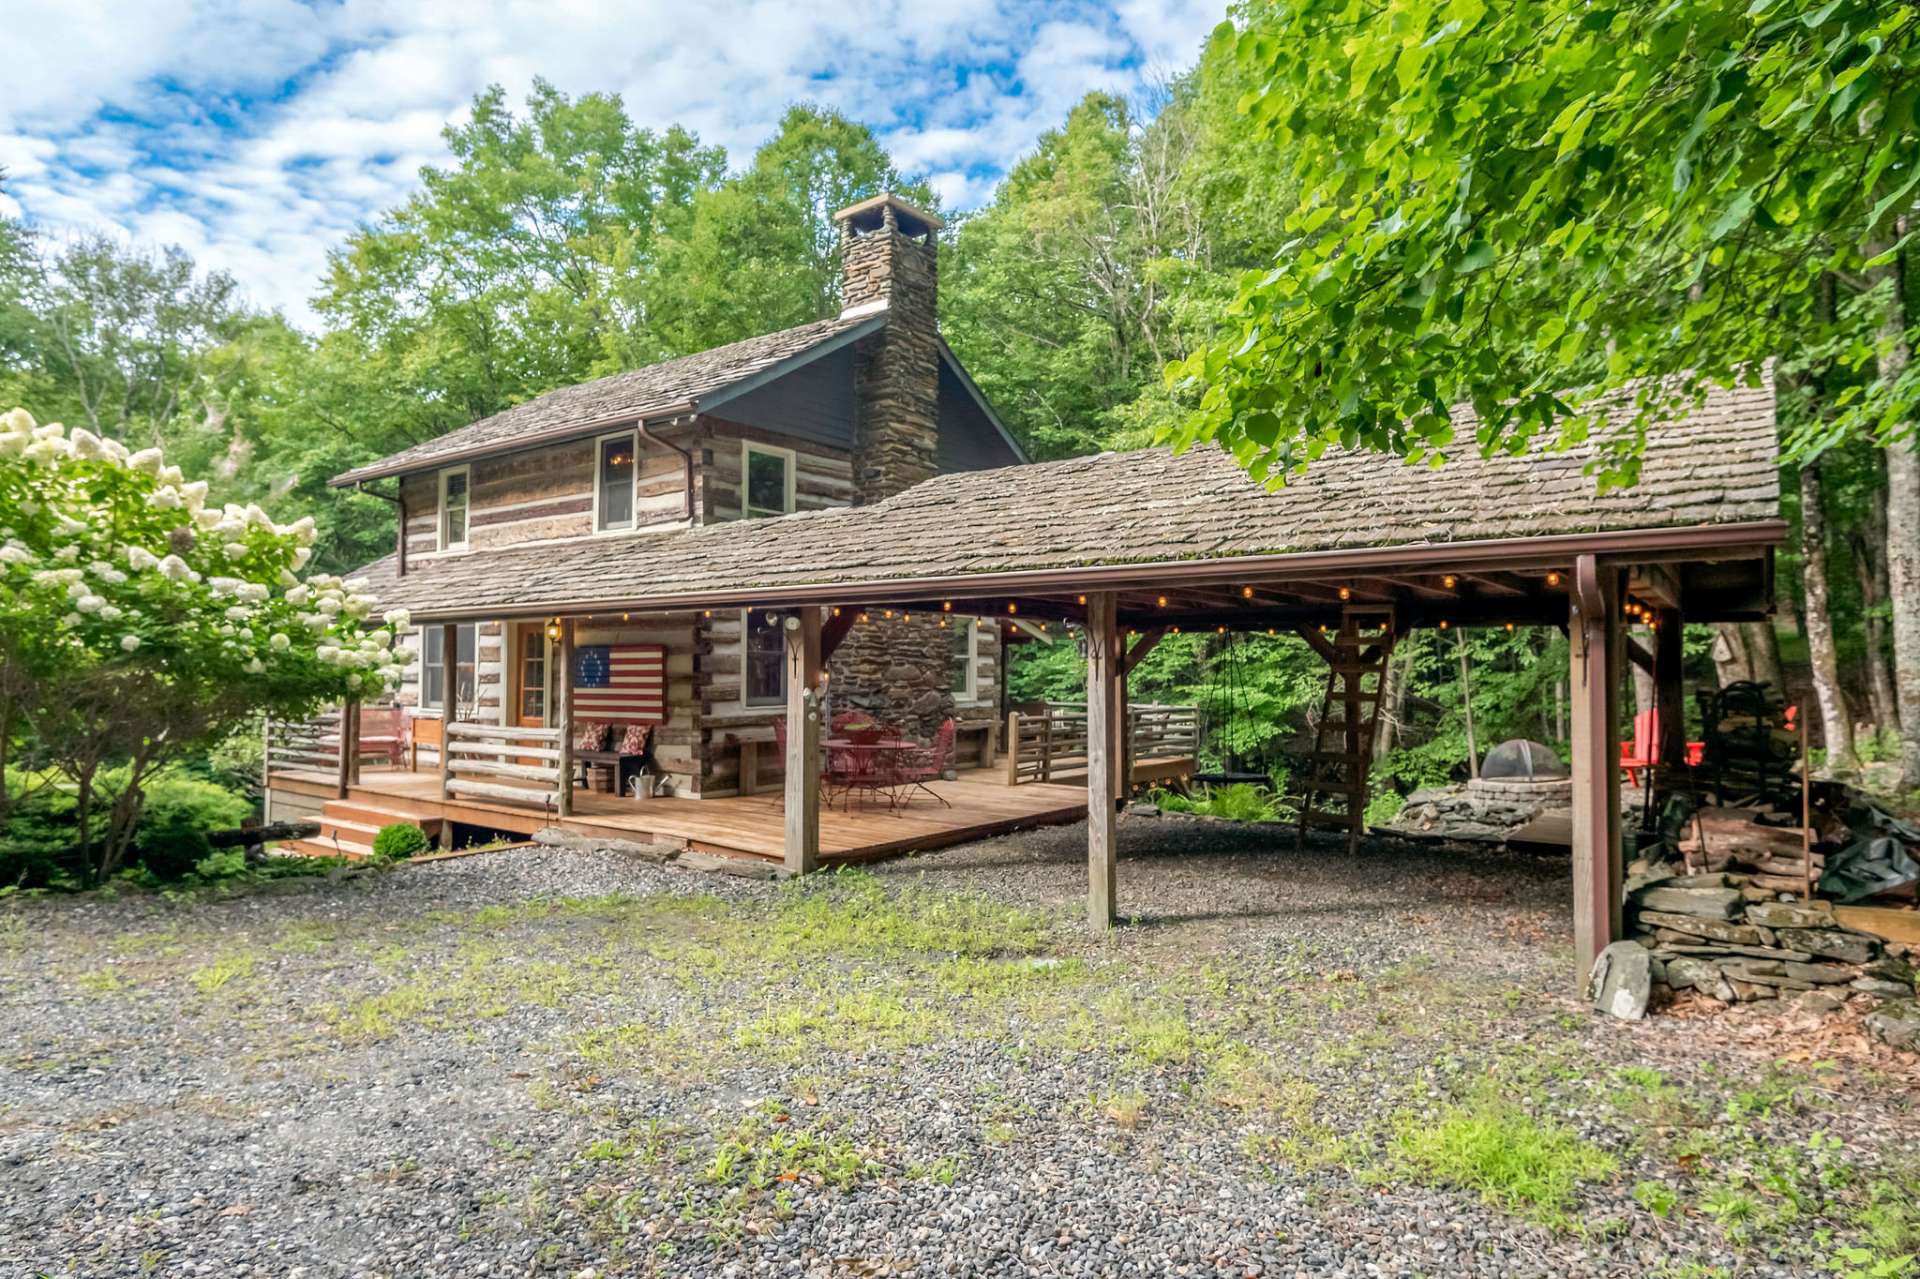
[(766, 480), (454, 506), (965, 671), (763, 669), (433, 667), (615, 469)]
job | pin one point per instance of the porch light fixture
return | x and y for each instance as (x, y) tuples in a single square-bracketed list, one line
[(553, 629)]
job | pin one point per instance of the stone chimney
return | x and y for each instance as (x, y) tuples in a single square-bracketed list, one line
[(890, 264)]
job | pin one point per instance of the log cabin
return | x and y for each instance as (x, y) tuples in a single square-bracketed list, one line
[(833, 515), (843, 411)]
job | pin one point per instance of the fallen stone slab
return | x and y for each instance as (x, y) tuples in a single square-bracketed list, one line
[(1705, 903), (1622, 981), (1815, 914), (558, 837), (743, 867), (1714, 929), (1896, 1025)]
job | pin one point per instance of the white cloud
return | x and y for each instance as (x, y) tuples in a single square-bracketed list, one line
[(258, 133)]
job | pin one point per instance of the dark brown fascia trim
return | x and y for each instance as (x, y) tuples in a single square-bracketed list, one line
[(558, 435), (1693, 542)]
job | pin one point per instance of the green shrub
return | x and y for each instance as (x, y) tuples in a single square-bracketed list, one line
[(398, 842), (180, 812), (1240, 802)]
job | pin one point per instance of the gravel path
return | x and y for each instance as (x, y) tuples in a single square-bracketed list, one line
[(581, 1063)]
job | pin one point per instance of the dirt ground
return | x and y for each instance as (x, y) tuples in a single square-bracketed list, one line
[(580, 1063)]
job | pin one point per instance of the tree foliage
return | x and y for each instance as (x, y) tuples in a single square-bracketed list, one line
[(1500, 202)]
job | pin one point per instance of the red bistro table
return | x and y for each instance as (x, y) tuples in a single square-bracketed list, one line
[(873, 767)]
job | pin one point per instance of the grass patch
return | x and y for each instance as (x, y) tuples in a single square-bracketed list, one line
[(1512, 1160), (221, 973)]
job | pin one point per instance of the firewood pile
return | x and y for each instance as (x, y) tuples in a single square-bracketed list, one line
[(1772, 856)]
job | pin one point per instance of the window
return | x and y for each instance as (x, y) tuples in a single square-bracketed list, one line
[(453, 509), (763, 681), (964, 670), (614, 478), (766, 478), (433, 667)]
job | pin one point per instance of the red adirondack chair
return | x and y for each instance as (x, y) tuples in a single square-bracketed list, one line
[(1643, 752)]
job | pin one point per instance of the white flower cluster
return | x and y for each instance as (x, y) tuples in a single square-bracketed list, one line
[(87, 578)]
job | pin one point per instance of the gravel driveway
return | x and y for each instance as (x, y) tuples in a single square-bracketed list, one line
[(580, 1063)]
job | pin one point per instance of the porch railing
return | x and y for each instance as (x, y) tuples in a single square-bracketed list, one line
[(304, 745), (489, 761), (1050, 744)]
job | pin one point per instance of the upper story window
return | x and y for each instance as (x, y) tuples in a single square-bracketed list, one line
[(433, 668), (965, 670), (454, 506), (614, 472), (766, 480), (763, 677)]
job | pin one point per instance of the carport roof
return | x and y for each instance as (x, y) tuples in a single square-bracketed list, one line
[(1708, 489)]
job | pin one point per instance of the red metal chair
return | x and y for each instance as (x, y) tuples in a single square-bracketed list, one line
[(930, 765), (1643, 752), (827, 774)]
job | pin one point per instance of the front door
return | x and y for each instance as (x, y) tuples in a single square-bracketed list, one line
[(530, 685)]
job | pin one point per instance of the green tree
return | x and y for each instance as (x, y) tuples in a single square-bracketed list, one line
[(1500, 202), (760, 251)]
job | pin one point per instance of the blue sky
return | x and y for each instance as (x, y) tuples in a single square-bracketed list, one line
[(257, 133)]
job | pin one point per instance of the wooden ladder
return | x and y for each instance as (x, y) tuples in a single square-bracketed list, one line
[(1335, 792)]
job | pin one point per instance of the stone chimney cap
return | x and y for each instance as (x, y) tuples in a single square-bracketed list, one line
[(871, 214)]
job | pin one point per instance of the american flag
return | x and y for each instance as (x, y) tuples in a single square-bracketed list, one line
[(620, 681)]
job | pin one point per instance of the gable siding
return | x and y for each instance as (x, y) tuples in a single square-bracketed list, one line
[(814, 402), (968, 439), (823, 475)]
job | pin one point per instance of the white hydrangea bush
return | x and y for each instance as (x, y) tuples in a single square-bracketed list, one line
[(110, 557)]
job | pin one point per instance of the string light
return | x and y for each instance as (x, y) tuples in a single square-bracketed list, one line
[(1080, 599), (626, 617), (1223, 630), (943, 622), (1246, 592), (864, 617), (1174, 630), (906, 617), (1553, 579), (706, 613), (1448, 581), (1162, 601), (836, 612), (888, 614), (1509, 627), (1012, 607), (946, 606), (1272, 630), (1346, 592), (1443, 623)]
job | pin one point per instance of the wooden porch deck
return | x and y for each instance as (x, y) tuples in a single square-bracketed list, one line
[(753, 827)]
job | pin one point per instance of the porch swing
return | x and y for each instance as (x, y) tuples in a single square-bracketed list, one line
[(1236, 772)]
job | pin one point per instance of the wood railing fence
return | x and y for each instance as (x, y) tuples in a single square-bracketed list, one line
[(1051, 744), (525, 761)]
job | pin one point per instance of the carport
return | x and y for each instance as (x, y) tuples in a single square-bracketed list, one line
[(1129, 547)]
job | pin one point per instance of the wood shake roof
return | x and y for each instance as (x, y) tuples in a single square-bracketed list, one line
[(1716, 467), (672, 386)]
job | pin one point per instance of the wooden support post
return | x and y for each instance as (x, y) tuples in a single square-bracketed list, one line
[(563, 705), (1013, 748), (349, 711), (803, 742), (449, 672), (350, 726), (1669, 694), (1595, 682), (1104, 657)]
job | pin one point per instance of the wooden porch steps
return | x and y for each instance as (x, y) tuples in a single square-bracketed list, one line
[(348, 827)]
